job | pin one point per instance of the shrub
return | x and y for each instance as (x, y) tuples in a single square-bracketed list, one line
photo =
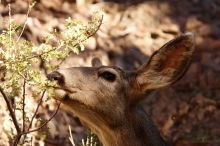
[(17, 57)]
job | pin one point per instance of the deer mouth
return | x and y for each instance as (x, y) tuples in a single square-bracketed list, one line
[(62, 93)]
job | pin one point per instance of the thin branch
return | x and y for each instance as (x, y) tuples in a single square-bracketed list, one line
[(23, 76), (71, 136), (26, 20), (44, 124), (100, 23), (38, 55), (23, 103), (12, 114), (35, 113), (37, 129), (90, 35), (17, 139), (9, 14), (32, 118), (53, 49)]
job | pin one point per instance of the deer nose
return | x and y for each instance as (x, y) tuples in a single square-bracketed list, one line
[(55, 76)]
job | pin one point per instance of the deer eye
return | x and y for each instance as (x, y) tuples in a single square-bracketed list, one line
[(108, 76)]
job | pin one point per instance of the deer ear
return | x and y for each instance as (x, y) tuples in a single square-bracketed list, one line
[(96, 62), (168, 64)]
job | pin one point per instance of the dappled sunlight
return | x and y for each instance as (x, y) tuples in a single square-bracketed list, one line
[(187, 113)]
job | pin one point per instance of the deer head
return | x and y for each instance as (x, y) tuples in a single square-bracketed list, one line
[(105, 98)]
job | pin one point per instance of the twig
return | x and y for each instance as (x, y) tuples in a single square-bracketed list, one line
[(23, 103), (9, 106), (31, 57), (53, 49), (25, 132), (35, 113), (26, 19), (71, 136), (23, 76), (9, 14), (37, 129), (90, 35), (44, 124), (100, 23), (38, 55), (32, 118)]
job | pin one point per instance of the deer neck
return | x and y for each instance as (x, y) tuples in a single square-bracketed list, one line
[(137, 130)]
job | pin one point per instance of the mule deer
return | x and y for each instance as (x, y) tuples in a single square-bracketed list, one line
[(105, 98)]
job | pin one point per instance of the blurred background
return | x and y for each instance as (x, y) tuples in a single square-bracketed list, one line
[(187, 113)]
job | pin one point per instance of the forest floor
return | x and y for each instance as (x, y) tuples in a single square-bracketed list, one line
[(188, 112)]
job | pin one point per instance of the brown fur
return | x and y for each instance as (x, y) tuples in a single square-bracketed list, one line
[(110, 107)]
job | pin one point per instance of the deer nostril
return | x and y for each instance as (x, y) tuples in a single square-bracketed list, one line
[(55, 76)]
